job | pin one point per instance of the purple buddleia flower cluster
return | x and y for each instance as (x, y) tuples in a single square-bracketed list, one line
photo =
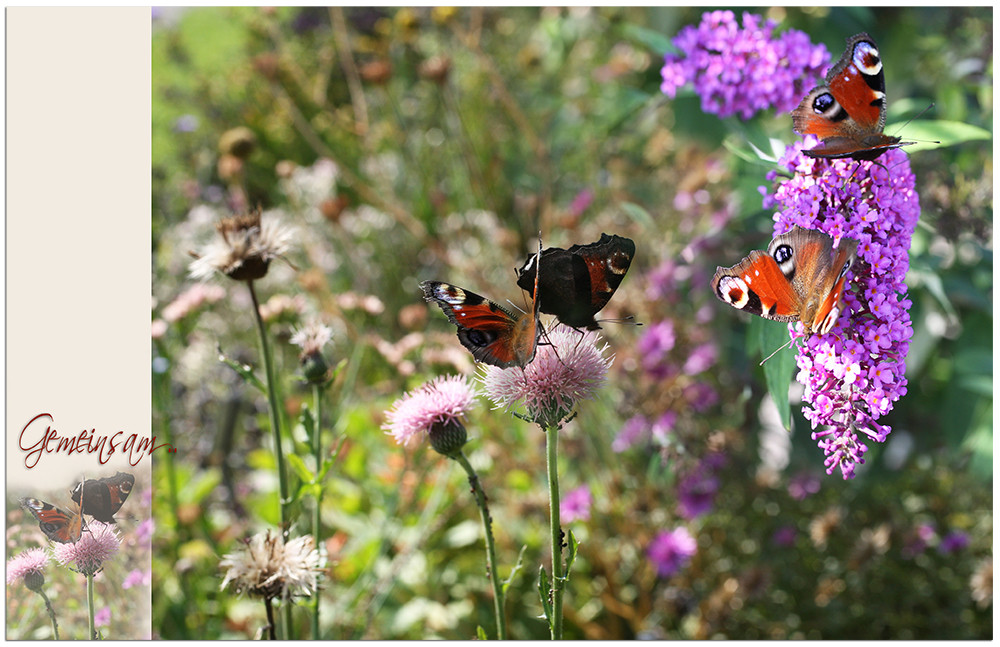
[(742, 71), (855, 373)]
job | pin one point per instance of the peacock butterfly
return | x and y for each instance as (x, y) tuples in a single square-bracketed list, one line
[(575, 284), (57, 524), (801, 277), (848, 113), (492, 333), (102, 498)]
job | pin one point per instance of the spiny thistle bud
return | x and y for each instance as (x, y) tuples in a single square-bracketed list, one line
[(447, 437)]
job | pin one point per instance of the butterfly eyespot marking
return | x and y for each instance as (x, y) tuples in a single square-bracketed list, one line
[(734, 291), (866, 58), (825, 103), (784, 256)]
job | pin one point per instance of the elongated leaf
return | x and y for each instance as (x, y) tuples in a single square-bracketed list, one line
[(544, 590), (778, 370), (299, 467), (517, 566), (925, 132), (245, 371), (654, 40)]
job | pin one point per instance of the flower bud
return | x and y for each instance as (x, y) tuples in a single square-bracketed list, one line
[(447, 438)]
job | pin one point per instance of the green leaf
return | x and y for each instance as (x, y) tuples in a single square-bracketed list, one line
[(544, 590), (778, 370), (245, 371), (638, 214), (481, 633), (652, 39), (517, 566), (926, 132), (299, 467), (574, 545)]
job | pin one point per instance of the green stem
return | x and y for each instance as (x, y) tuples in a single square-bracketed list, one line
[(52, 615), (552, 465), (491, 553), (90, 606), (318, 455), (279, 457)]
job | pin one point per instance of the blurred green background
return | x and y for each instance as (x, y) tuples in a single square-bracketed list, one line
[(406, 144)]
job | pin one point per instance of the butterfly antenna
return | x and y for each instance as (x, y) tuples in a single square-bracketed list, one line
[(625, 321), (918, 116), (779, 348)]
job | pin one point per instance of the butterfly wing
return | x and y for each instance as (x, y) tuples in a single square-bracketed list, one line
[(102, 498), (57, 524), (575, 284), (848, 113), (758, 285), (491, 333), (819, 274)]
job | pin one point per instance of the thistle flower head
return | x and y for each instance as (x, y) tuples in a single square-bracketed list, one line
[(671, 550), (855, 373), (29, 566), (270, 568), (97, 544), (311, 338), (246, 246), (568, 369), (742, 70), (437, 409)]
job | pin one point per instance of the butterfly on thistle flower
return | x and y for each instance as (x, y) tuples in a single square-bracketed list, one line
[(801, 277), (100, 498), (493, 334), (848, 113), (575, 284)]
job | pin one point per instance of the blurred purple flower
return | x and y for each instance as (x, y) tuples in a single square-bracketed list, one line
[(784, 537), (144, 532), (576, 505), (568, 369), (802, 485), (185, 124), (580, 203), (632, 432), (654, 346), (27, 565), (700, 396), (954, 541), (663, 426), (96, 546), (700, 359), (854, 373), (742, 71), (102, 617), (136, 577), (442, 401), (671, 550), (696, 494), (917, 542)]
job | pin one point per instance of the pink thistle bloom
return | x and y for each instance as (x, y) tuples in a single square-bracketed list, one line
[(568, 369), (576, 504), (671, 550), (28, 566), (98, 544), (854, 373), (442, 402)]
